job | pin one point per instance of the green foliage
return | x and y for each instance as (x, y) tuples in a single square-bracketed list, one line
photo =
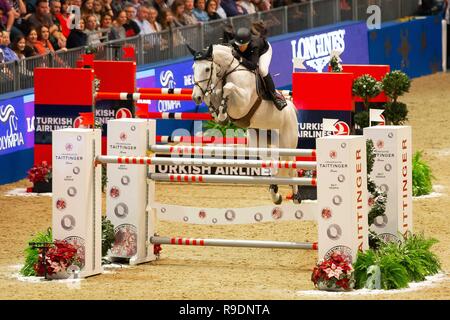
[(32, 255), (399, 262), (107, 235), (370, 154), (395, 84), (335, 65), (366, 87), (421, 176), (362, 119), (104, 176), (212, 129), (396, 113)]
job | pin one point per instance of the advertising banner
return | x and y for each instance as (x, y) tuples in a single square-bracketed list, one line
[(315, 46), (16, 125)]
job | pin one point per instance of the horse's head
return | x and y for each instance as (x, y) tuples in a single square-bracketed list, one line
[(204, 75), (209, 67)]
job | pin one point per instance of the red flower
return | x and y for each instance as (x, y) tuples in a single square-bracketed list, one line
[(57, 258), (335, 271), (42, 172)]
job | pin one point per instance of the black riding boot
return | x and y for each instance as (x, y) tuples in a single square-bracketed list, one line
[(278, 99)]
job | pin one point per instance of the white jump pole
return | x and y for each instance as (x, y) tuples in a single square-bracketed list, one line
[(392, 172), (444, 44), (231, 151), (234, 243), (77, 198)]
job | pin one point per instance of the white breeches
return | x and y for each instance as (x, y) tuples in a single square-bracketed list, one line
[(264, 62)]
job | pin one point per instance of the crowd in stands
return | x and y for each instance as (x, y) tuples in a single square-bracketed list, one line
[(38, 27)]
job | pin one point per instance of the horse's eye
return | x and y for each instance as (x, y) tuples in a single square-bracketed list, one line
[(207, 69)]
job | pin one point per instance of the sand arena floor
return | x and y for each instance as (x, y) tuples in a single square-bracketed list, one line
[(231, 273)]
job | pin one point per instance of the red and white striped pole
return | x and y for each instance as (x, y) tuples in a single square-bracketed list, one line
[(231, 179), (165, 90), (178, 116), (141, 96), (209, 162), (234, 243), (232, 150), (201, 139)]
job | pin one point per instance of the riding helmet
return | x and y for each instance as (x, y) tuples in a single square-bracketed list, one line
[(242, 37)]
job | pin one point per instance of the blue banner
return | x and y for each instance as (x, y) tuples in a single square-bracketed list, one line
[(415, 47), (314, 48), (16, 126)]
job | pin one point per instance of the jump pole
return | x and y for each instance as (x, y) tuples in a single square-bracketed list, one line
[(140, 96), (310, 165), (231, 150), (341, 173), (234, 243)]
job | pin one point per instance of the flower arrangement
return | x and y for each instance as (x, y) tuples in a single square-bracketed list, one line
[(334, 273), (58, 257), (40, 172), (41, 177)]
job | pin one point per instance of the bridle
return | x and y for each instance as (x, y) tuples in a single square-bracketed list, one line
[(210, 88)]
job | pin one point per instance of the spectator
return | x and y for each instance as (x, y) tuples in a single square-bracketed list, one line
[(62, 15), (159, 6), (116, 6), (178, 13), (21, 48), (189, 16), (131, 27), (199, 11), (220, 10), (230, 8), (31, 37), (5, 51), (58, 39), (153, 20), (43, 44), (167, 19), (118, 24), (7, 18), (106, 23), (20, 9), (135, 3), (99, 10), (142, 19), (87, 8), (41, 17), (77, 37), (211, 10), (264, 5), (91, 29), (246, 6)]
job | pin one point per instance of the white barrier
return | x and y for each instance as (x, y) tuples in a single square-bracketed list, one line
[(341, 210), (77, 197), (392, 172)]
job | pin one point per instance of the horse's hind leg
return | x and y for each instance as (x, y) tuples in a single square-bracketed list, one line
[(289, 139)]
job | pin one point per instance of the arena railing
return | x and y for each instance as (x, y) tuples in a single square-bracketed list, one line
[(169, 44)]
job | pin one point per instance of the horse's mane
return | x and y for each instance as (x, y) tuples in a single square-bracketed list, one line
[(222, 53)]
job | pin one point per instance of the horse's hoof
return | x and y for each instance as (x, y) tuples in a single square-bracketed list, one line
[(279, 199), (297, 198)]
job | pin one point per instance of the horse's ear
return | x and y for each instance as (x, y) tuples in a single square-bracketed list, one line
[(192, 51), (209, 52)]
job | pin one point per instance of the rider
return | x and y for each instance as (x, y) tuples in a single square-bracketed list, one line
[(256, 53)]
